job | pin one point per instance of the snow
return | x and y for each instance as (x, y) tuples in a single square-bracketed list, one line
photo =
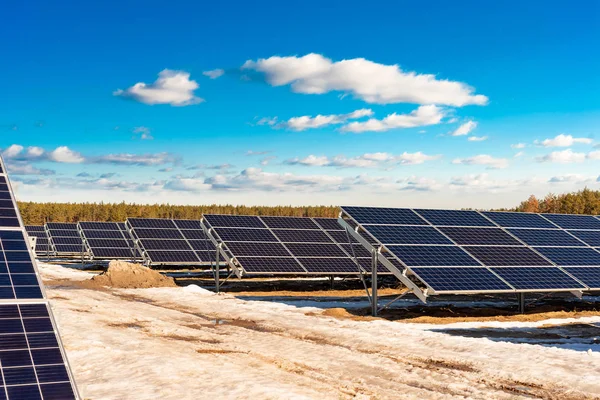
[(188, 343)]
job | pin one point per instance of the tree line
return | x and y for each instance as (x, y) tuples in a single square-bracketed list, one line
[(40, 213), (585, 201)]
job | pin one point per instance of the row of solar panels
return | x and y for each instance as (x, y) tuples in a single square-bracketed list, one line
[(471, 251), (33, 364)]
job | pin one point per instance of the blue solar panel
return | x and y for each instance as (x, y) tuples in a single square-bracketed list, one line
[(574, 221), (570, 256), (279, 265), (435, 256), (386, 216), (290, 222), (546, 237), (518, 220), (590, 237), (394, 234), (589, 276), (456, 279), (479, 236), (234, 221), (506, 256), (454, 217), (537, 278)]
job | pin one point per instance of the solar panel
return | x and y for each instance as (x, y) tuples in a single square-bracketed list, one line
[(570, 256), (460, 279), (386, 216), (39, 232), (506, 256), (546, 237), (393, 234), (537, 278), (589, 276), (178, 241), (32, 362), (328, 224), (303, 238), (64, 239), (289, 222), (518, 220), (573, 221), (234, 221), (592, 238), (433, 256), (479, 236), (106, 240), (454, 217)]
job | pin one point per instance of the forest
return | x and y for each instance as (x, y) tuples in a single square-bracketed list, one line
[(585, 201)]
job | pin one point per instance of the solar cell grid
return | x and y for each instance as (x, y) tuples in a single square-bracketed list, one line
[(546, 237), (342, 265), (328, 224), (506, 256), (386, 216), (479, 236), (589, 276), (289, 222), (68, 248), (61, 226), (518, 220), (64, 233), (143, 233), (196, 235), (302, 236), (454, 217), (574, 221), (170, 256), (113, 253), (457, 279), (389, 234), (35, 228), (270, 265), (592, 238), (6, 203), (188, 224), (201, 245), (67, 240), (258, 249), (94, 234), (151, 223), (570, 256), (315, 250), (245, 235), (432, 256), (100, 226), (356, 250), (537, 278), (234, 221), (168, 244), (108, 243), (341, 237)]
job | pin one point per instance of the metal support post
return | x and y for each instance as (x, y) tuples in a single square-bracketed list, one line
[(217, 271), (521, 299), (374, 283)]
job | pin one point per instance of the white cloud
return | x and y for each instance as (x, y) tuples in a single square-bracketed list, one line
[(483, 159), (319, 121), (594, 155), (364, 79), (28, 169), (519, 154), (171, 87), (368, 160), (214, 73), (518, 146), (144, 132), (464, 129), (63, 154), (477, 138), (135, 159), (270, 121), (266, 160), (563, 141), (571, 178), (422, 116), (12, 151), (567, 156)]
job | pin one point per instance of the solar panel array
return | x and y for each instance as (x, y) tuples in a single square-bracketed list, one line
[(107, 240), (288, 245), (32, 361), (171, 241), (42, 245), (471, 251), (64, 239)]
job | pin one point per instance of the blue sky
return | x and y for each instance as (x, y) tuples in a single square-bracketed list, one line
[(398, 103)]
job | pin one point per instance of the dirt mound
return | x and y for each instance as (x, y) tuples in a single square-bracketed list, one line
[(121, 274)]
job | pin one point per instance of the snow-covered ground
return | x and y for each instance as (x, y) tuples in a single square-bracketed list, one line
[(188, 343)]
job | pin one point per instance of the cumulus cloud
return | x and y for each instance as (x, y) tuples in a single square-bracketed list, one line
[(483, 159), (135, 159), (563, 140), (477, 138), (422, 116), (63, 154), (571, 178), (464, 129), (364, 79), (567, 156), (214, 73), (28, 169), (172, 87), (368, 160), (319, 121)]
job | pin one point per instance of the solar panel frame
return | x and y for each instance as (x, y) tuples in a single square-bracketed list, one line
[(58, 231), (573, 221), (106, 241), (34, 313)]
